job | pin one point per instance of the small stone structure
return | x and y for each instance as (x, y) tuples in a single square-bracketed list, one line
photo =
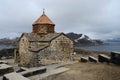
[(103, 58), (84, 59), (93, 59), (115, 57), (43, 46), (34, 71), (4, 68), (3, 62), (50, 73), (14, 76)]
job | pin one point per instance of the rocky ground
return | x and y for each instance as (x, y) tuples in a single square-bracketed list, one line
[(86, 71), (89, 71)]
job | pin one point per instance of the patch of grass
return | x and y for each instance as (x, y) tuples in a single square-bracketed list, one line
[(90, 52)]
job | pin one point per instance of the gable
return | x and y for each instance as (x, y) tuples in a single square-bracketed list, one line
[(23, 39), (62, 37)]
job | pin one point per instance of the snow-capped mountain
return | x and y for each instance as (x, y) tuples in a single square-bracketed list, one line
[(81, 39)]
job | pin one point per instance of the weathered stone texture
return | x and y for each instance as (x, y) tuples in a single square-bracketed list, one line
[(41, 28), (62, 47), (23, 51)]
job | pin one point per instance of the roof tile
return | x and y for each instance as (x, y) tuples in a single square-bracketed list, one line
[(43, 19)]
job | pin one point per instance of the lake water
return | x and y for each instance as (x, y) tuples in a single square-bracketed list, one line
[(110, 46), (5, 47)]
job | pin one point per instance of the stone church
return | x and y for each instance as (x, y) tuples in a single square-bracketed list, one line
[(43, 45)]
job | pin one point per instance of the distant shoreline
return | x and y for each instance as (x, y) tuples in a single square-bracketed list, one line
[(108, 47), (4, 46)]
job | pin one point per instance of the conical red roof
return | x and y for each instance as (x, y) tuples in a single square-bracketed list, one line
[(43, 19)]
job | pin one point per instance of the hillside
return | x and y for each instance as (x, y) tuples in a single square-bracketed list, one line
[(7, 41)]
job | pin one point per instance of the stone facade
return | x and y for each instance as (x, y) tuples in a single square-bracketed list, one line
[(23, 50), (43, 46), (43, 29), (62, 46)]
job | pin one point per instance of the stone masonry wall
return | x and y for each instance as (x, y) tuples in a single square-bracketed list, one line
[(43, 28), (62, 47), (24, 54), (58, 50)]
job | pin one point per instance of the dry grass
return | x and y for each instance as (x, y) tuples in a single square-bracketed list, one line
[(84, 52), (89, 71)]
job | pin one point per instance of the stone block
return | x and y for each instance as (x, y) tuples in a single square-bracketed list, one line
[(115, 58), (84, 59), (93, 59), (103, 58)]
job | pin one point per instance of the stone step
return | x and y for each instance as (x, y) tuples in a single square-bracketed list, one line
[(84, 59), (103, 58), (33, 71), (49, 73), (14, 76), (93, 59)]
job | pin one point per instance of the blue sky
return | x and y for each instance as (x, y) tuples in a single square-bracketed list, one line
[(95, 18)]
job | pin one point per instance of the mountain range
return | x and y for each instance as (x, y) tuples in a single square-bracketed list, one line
[(79, 39), (113, 40), (8, 41)]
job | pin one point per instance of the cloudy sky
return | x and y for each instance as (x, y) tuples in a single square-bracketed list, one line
[(95, 18)]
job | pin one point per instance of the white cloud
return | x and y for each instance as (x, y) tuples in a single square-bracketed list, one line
[(97, 18)]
